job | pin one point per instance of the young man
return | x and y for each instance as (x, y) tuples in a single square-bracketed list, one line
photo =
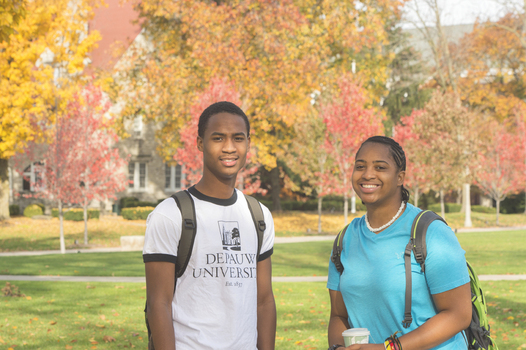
[(224, 299)]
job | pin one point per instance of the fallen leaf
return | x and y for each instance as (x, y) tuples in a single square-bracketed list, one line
[(28, 298), (69, 347), (73, 341), (119, 287), (53, 323), (102, 317), (108, 339), (100, 326)]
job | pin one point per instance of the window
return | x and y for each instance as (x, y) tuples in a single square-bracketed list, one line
[(137, 126), (172, 177), (137, 175), (33, 177)]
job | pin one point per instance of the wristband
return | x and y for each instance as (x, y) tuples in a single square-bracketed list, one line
[(393, 343), (335, 346)]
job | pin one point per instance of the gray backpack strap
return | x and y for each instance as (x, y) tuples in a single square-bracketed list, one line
[(258, 218), (417, 244), (337, 249), (188, 230)]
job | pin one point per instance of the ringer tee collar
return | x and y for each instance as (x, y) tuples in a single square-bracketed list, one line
[(219, 201)]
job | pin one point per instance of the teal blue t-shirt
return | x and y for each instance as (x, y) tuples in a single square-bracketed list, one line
[(373, 281)]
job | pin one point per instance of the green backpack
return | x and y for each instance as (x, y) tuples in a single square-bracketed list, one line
[(188, 230), (478, 332)]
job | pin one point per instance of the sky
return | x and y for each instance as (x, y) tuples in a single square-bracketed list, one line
[(461, 11)]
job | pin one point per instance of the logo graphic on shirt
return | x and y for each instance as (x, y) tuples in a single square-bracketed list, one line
[(229, 231)]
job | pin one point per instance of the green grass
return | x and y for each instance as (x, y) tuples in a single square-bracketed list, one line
[(63, 315), (489, 253), (495, 252), (73, 316), (89, 264)]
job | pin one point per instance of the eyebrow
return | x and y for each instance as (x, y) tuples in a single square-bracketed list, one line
[(374, 161), (215, 133)]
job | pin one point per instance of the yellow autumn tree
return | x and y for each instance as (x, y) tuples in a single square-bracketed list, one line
[(277, 53), (39, 67), (11, 12)]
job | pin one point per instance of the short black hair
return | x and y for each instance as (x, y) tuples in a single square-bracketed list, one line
[(220, 107), (397, 153)]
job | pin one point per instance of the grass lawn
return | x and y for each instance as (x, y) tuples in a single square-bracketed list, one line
[(21, 233), (489, 253), (109, 316)]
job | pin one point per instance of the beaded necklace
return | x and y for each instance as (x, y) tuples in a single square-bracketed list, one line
[(386, 225)]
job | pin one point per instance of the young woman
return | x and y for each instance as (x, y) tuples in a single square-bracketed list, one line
[(370, 293)]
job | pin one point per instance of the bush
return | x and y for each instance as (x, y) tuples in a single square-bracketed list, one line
[(483, 209), (76, 214), (132, 202), (137, 213), (14, 210), (32, 210), (449, 207), (329, 203)]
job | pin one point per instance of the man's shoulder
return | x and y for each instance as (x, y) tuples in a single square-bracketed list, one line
[(167, 209)]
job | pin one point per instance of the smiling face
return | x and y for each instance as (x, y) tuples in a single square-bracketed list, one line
[(376, 178), (225, 145)]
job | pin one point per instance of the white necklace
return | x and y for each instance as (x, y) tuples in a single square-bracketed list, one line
[(386, 225)]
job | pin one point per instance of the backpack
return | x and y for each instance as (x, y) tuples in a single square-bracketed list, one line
[(188, 231), (478, 332)]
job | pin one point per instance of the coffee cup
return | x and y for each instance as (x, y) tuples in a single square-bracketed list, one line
[(356, 336)]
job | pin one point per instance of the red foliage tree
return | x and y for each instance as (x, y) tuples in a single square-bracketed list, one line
[(79, 164), (502, 169), (188, 154), (417, 175), (102, 171), (348, 123)]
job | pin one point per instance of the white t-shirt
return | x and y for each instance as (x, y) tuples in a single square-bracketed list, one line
[(215, 300)]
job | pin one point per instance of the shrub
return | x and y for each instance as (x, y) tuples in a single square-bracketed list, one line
[(132, 202), (76, 214), (483, 209), (32, 210), (137, 213), (449, 207), (14, 210)]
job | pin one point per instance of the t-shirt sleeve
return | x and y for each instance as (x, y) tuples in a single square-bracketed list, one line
[(445, 263), (267, 247), (163, 231)]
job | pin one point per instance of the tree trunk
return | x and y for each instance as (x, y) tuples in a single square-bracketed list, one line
[(275, 189), (442, 206), (345, 208), (525, 202), (4, 190), (460, 201), (85, 206), (498, 210), (467, 200), (61, 219), (353, 202), (417, 196), (320, 200)]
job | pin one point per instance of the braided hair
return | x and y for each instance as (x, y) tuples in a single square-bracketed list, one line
[(396, 152)]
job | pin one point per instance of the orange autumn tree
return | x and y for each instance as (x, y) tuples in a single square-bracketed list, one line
[(275, 52), (494, 67), (46, 52)]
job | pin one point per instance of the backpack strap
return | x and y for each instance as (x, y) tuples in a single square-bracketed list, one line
[(258, 218), (337, 248), (417, 244), (188, 230)]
